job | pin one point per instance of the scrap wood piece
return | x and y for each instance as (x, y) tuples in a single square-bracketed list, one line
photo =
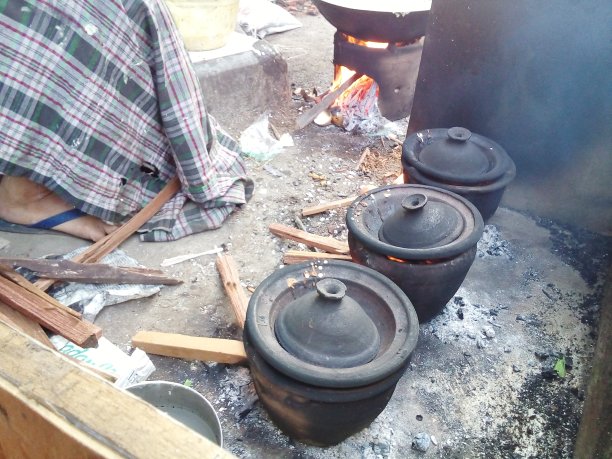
[(44, 311), (111, 378), (325, 206), (72, 413), (297, 256), (190, 347), (24, 324), (228, 270), (319, 208), (33, 288), (309, 115), (92, 273), (362, 158), (110, 242), (326, 243)]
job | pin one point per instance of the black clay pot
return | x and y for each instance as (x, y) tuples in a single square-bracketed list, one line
[(326, 345), (457, 160), (422, 238)]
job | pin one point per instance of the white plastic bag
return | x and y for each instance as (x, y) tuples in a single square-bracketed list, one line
[(257, 142), (259, 18)]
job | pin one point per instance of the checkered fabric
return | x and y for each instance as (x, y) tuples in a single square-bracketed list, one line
[(100, 104)]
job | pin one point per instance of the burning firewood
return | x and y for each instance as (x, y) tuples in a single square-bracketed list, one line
[(308, 116)]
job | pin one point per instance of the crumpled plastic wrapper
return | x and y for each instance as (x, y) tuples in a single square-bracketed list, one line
[(257, 142)]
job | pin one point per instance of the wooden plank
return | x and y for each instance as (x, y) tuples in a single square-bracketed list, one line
[(190, 347), (309, 115), (594, 439), (24, 324), (328, 244), (93, 273), (81, 332), (52, 408), (33, 288), (95, 252), (228, 270), (298, 256)]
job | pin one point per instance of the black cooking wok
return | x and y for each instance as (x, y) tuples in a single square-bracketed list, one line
[(380, 26)]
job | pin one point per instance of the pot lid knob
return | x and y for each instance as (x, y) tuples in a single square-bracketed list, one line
[(328, 328), (459, 134), (414, 201), (421, 223)]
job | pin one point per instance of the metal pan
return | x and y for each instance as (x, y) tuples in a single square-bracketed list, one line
[(375, 24)]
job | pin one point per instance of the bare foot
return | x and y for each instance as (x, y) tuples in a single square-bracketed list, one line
[(26, 203)]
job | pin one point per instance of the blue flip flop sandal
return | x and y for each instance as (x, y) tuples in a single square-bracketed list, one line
[(58, 219)]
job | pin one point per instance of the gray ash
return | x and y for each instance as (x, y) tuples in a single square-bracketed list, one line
[(543, 410), (491, 244)]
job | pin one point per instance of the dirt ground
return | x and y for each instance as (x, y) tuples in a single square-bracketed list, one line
[(481, 382)]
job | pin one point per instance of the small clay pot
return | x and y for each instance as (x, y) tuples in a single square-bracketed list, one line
[(326, 344), (457, 160), (422, 238)]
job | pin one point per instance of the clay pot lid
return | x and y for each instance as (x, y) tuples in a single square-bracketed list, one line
[(328, 328), (420, 223), (384, 302), (442, 224), (456, 156)]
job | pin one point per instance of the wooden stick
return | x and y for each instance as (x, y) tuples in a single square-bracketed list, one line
[(297, 256), (32, 288), (228, 270), (190, 347), (362, 158), (106, 245), (47, 314), (309, 115), (93, 273), (24, 324), (328, 244), (319, 208), (323, 207)]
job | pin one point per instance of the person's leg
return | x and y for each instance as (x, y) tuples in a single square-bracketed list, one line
[(27, 203)]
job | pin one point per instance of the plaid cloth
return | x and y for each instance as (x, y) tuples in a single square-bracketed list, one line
[(100, 104)]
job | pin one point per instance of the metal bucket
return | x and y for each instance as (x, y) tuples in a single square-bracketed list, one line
[(183, 404)]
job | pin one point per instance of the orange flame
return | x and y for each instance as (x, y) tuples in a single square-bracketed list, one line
[(419, 262)]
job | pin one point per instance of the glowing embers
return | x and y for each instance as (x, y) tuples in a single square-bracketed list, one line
[(357, 107)]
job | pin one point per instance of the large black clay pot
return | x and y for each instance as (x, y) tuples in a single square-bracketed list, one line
[(457, 160), (376, 21), (422, 238), (326, 345)]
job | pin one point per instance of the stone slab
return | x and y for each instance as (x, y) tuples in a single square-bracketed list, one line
[(239, 87)]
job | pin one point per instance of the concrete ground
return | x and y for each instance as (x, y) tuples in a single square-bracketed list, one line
[(481, 382)]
